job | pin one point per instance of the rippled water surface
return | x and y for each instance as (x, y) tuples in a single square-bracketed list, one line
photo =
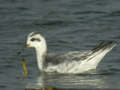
[(68, 25)]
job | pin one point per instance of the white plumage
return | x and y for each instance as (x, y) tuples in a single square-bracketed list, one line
[(72, 62)]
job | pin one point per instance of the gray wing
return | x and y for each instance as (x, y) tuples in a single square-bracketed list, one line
[(68, 57), (79, 56)]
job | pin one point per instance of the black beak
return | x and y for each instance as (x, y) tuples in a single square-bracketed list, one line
[(27, 46)]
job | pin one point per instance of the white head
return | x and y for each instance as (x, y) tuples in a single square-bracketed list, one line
[(37, 41)]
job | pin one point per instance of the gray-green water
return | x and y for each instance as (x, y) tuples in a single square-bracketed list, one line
[(68, 25)]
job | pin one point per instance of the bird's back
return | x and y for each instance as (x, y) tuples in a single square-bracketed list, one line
[(65, 63)]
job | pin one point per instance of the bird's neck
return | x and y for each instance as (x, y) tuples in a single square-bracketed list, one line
[(41, 53)]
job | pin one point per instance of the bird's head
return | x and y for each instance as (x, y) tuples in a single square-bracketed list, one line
[(36, 40)]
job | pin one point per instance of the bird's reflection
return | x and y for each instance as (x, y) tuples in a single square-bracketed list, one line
[(51, 81)]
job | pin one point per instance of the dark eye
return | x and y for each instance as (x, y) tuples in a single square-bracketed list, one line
[(35, 39)]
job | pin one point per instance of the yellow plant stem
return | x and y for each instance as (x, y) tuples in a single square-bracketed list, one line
[(25, 73)]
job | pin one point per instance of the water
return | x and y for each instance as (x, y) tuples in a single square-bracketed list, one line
[(68, 25)]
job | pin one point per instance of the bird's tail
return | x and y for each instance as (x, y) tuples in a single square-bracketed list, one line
[(104, 45), (99, 52)]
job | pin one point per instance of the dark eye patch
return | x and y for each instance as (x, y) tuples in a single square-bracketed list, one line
[(35, 39)]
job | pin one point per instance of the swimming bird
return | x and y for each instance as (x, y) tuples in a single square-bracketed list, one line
[(72, 62)]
